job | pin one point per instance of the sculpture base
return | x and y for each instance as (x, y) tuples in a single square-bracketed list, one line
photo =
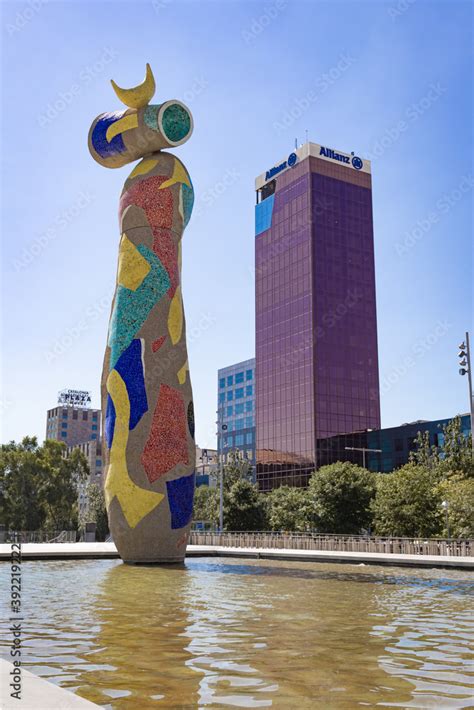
[(158, 561)]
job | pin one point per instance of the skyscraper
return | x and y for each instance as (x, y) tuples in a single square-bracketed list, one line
[(236, 410), (316, 328)]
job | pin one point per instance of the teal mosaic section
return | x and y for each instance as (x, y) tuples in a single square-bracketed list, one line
[(131, 308), (176, 122), (150, 116), (188, 202)]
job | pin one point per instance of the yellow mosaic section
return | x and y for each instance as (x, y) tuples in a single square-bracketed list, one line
[(123, 124), (135, 502), (132, 266), (175, 317)]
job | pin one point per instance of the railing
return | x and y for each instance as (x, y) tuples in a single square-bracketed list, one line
[(25, 536), (336, 543)]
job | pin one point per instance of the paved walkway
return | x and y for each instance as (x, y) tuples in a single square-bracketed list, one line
[(107, 550), (36, 693)]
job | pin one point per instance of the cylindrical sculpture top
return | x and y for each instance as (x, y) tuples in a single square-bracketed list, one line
[(146, 389)]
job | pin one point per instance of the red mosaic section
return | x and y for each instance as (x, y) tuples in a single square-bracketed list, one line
[(157, 204), (167, 252), (166, 446), (156, 344)]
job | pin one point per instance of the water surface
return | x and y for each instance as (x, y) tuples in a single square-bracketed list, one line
[(225, 633)]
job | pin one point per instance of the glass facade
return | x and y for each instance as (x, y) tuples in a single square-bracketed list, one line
[(316, 332), (236, 410)]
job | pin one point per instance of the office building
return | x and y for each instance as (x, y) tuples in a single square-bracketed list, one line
[(236, 410), (384, 450), (206, 467), (316, 329), (71, 421)]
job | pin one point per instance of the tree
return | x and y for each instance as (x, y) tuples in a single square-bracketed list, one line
[(96, 511), (20, 479), (38, 485), (206, 505), (407, 503), (341, 494), (59, 486), (290, 509), (244, 507), (454, 458), (458, 493)]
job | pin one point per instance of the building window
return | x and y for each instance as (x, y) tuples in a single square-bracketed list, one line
[(221, 397), (98, 463), (249, 390), (64, 425), (239, 439), (230, 380), (398, 444), (248, 405), (248, 422), (230, 396), (249, 437), (94, 427), (239, 423), (222, 382), (229, 441), (64, 415), (239, 408), (239, 393), (93, 436), (94, 417), (230, 411), (85, 416), (239, 377), (64, 434), (249, 375), (74, 414)]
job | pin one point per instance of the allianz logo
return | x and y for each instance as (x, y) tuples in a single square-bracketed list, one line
[(352, 159)]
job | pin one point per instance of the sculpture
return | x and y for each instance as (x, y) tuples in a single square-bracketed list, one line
[(147, 405)]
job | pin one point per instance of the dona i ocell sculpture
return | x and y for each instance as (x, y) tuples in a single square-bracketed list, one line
[(146, 391)]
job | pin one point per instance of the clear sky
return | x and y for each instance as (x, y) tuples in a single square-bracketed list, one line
[(390, 80)]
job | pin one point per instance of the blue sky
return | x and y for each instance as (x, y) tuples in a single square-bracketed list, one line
[(391, 81)]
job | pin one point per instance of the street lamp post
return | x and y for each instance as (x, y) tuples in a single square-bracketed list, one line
[(364, 450), (465, 369), (445, 505), (221, 428)]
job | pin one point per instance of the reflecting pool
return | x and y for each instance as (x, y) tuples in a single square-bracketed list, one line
[(250, 634)]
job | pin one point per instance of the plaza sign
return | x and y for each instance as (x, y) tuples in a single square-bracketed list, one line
[(74, 398)]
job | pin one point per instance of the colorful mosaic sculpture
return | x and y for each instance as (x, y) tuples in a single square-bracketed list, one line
[(146, 389)]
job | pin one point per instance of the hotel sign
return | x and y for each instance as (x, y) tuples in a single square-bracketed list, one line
[(74, 398)]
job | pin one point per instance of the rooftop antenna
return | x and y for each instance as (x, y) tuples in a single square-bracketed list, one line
[(306, 131), (296, 143)]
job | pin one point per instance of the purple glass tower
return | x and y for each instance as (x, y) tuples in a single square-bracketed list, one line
[(316, 326)]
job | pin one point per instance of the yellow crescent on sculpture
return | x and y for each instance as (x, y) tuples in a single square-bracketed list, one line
[(137, 96)]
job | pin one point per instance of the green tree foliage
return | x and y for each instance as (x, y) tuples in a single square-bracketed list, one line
[(96, 511), (342, 493), (38, 485), (244, 507), (290, 509), (408, 503), (458, 493), (206, 505), (455, 456)]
